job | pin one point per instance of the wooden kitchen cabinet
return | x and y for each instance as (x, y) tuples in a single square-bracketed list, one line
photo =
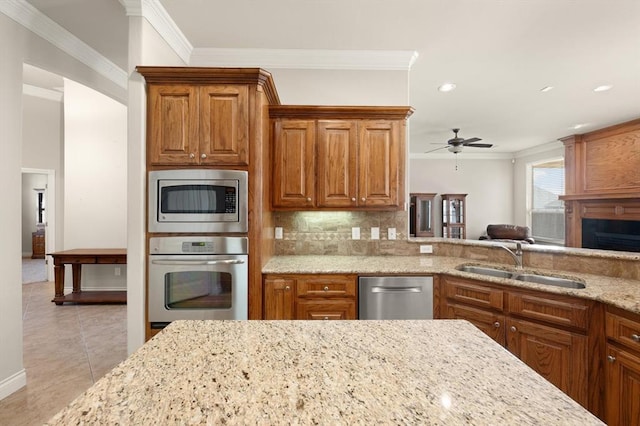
[(622, 368), (198, 125), (310, 297), (37, 245), (551, 333), (338, 158)]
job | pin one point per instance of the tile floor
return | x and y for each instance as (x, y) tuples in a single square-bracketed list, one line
[(66, 349)]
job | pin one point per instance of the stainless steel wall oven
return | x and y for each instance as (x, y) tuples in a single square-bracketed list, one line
[(197, 277)]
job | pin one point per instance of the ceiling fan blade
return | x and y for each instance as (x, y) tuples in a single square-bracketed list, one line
[(470, 140), (436, 149), (479, 145)]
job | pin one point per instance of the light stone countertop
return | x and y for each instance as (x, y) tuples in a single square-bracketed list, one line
[(443, 372), (623, 293)]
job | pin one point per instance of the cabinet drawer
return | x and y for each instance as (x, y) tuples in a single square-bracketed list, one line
[(326, 310), (559, 310), (473, 294), (623, 330), (490, 322), (327, 286)]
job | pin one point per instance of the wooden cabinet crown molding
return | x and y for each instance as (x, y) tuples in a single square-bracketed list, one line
[(340, 112), (212, 75)]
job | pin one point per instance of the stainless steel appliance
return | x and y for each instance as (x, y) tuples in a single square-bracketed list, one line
[(198, 201), (197, 277), (395, 297)]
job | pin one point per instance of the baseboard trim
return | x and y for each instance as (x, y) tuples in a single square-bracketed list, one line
[(13, 383)]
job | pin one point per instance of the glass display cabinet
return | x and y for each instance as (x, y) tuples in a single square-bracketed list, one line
[(454, 216), (421, 215)]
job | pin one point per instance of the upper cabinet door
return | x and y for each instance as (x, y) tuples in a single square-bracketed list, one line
[(173, 125), (379, 162), (224, 125), (337, 153), (294, 163)]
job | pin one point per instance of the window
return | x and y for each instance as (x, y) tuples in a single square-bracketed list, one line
[(546, 211)]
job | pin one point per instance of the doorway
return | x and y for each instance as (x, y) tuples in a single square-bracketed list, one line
[(38, 224)]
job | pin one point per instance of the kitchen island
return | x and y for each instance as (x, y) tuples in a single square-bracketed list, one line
[(323, 372)]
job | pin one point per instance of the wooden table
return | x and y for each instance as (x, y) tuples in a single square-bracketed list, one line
[(78, 257)]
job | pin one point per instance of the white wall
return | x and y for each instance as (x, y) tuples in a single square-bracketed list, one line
[(488, 183), (95, 184), (12, 42), (341, 87)]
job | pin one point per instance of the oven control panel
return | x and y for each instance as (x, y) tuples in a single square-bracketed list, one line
[(197, 247)]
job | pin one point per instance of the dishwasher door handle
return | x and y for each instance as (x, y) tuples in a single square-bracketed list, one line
[(377, 289)]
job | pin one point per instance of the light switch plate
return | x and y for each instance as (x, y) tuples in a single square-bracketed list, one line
[(375, 233), (278, 232), (391, 233), (355, 233)]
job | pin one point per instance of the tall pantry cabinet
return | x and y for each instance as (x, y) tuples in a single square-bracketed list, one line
[(217, 118)]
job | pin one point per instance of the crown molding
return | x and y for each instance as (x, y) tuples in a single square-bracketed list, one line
[(394, 60), (161, 21), (462, 156), (38, 23), (39, 92), (539, 149)]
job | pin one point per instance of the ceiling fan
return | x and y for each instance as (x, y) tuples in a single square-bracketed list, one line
[(456, 144)]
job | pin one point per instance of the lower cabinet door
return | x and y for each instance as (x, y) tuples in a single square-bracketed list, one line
[(279, 298), (558, 355), (325, 309), (622, 387), (491, 323)]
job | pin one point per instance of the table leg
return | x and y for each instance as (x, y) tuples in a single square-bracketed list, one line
[(76, 269), (58, 271)]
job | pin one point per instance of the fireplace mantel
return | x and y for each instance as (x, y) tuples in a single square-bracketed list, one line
[(602, 177)]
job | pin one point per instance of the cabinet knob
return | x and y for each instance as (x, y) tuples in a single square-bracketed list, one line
[(611, 358), (203, 156), (326, 288), (326, 318), (309, 199), (192, 155), (635, 338), (496, 324), (353, 199), (363, 199), (287, 287), (513, 328)]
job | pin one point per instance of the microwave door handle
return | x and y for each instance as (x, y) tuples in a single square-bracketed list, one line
[(198, 262)]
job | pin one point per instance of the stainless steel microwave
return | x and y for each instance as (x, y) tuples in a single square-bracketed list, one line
[(198, 200)]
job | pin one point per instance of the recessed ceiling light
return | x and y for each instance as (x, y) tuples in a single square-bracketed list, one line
[(447, 87), (546, 88), (603, 88), (578, 126)]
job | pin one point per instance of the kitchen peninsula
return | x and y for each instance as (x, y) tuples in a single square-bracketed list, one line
[(337, 372)]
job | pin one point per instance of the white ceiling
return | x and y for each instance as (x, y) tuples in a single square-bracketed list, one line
[(499, 54)]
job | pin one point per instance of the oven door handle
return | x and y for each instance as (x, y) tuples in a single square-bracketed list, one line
[(198, 262)]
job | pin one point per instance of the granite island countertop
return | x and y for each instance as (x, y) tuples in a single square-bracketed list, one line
[(443, 372), (619, 292)]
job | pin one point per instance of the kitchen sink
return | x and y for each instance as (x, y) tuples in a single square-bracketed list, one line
[(483, 270), (545, 279), (522, 276)]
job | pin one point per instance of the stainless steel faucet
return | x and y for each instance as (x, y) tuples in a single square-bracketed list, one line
[(517, 255)]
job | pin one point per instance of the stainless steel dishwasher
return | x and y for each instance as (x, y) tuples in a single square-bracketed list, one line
[(395, 298)]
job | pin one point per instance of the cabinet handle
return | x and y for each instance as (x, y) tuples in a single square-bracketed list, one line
[(192, 155), (513, 328), (611, 358), (326, 288), (287, 287), (635, 338), (203, 156), (496, 324)]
